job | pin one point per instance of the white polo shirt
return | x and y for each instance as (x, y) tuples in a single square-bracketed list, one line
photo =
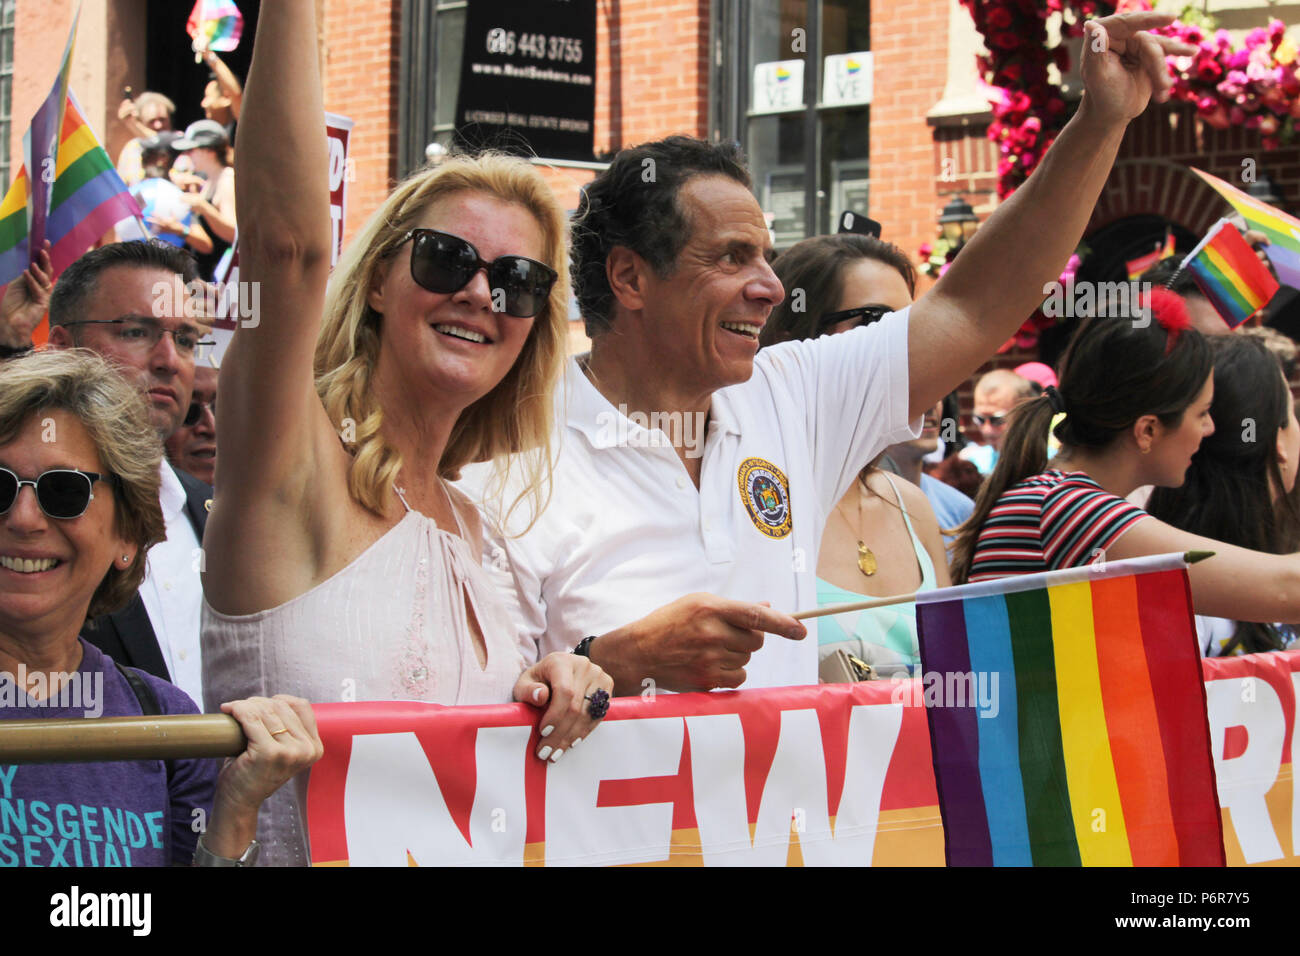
[(626, 530), (172, 590)]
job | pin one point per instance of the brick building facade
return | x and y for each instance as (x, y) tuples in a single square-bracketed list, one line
[(664, 66)]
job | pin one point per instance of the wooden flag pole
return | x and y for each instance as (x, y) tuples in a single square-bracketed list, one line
[(120, 738), (1191, 557)]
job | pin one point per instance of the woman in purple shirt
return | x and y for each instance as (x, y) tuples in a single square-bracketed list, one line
[(78, 512)]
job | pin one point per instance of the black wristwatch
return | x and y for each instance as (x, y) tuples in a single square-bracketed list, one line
[(584, 647)]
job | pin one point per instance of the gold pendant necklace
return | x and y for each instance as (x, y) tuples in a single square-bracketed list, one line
[(867, 563), (866, 560)]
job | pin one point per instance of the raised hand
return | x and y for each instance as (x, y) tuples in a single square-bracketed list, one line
[(26, 300), (1124, 65)]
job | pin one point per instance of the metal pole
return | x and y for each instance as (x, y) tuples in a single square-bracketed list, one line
[(811, 68), (120, 738)]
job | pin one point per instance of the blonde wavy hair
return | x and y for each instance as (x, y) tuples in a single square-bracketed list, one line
[(511, 425), (114, 415)]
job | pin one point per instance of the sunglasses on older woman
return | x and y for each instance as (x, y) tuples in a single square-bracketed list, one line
[(63, 493), (443, 263)]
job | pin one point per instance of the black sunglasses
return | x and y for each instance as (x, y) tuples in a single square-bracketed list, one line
[(195, 412), (997, 421), (868, 314), (63, 493), (443, 263)]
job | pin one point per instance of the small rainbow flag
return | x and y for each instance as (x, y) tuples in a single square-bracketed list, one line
[(1142, 263), (215, 25), (1230, 274), (1283, 231), (782, 74), (1096, 749)]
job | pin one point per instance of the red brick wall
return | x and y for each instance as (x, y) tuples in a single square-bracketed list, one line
[(361, 47), (909, 43), (660, 50)]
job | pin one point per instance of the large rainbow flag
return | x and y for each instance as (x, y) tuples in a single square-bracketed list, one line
[(1230, 274), (1097, 752), (87, 198), (1283, 231), (41, 145)]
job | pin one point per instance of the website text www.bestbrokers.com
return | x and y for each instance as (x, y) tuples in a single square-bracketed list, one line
[(532, 73)]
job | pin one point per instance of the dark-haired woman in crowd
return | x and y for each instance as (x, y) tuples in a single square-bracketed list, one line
[(1136, 397), (882, 537), (1238, 488)]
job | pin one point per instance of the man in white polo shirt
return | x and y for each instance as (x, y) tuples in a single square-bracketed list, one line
[(691, 462)]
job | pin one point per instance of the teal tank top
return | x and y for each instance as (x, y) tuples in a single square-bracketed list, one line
[(884, 637)]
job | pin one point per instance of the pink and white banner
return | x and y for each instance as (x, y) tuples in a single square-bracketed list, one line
[(829, 775)]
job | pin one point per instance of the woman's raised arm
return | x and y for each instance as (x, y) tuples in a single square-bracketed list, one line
[(273, 430)]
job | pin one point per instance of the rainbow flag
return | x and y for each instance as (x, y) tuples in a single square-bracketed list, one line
[(1142, 263), (215, 25), (41, 144), (87, 198), (1230, 274), (13, 229), (1096, 750), (1283, 231)]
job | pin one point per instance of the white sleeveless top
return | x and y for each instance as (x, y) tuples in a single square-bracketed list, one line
[(392, 625)]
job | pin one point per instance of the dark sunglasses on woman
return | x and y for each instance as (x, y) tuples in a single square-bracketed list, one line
[(866, 314), (62, 493), (443, 263)]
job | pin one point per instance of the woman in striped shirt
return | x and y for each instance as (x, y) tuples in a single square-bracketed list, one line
[(1136, 398)]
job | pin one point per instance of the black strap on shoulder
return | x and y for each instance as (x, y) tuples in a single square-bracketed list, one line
[(148, 702), (143, 692)]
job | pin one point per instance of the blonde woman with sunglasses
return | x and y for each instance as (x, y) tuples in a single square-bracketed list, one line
[(340, 564)]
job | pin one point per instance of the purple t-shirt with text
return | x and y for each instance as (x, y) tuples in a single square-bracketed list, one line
[(121, 813)]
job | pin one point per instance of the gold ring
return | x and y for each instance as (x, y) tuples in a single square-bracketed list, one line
[(282, 730)]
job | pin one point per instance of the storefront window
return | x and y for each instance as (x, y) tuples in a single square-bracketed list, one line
[(6, 85), (799, 104)]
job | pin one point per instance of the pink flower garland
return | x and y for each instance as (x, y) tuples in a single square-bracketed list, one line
[(1257, 87)]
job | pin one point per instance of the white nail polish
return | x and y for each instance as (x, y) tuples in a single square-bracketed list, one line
[(537, 695), (576, 741), (546, 731), (555, 757), (543, 753)]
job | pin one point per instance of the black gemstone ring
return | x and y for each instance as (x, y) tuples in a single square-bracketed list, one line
[(598, 704)]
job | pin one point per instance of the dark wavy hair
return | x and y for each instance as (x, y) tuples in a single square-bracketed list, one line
[(1113, 373), (1234, 490), (634, 204), (817, 267), (79, 280)]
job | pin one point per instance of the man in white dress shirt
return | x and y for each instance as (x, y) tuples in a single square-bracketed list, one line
[(690, 461), (106, 301)]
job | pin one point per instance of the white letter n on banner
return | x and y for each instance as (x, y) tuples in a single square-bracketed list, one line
[(392, 804)]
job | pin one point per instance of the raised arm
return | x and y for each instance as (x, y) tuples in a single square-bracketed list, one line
[(998, 279), (273, 430), (226, 79), (1235, 583)]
